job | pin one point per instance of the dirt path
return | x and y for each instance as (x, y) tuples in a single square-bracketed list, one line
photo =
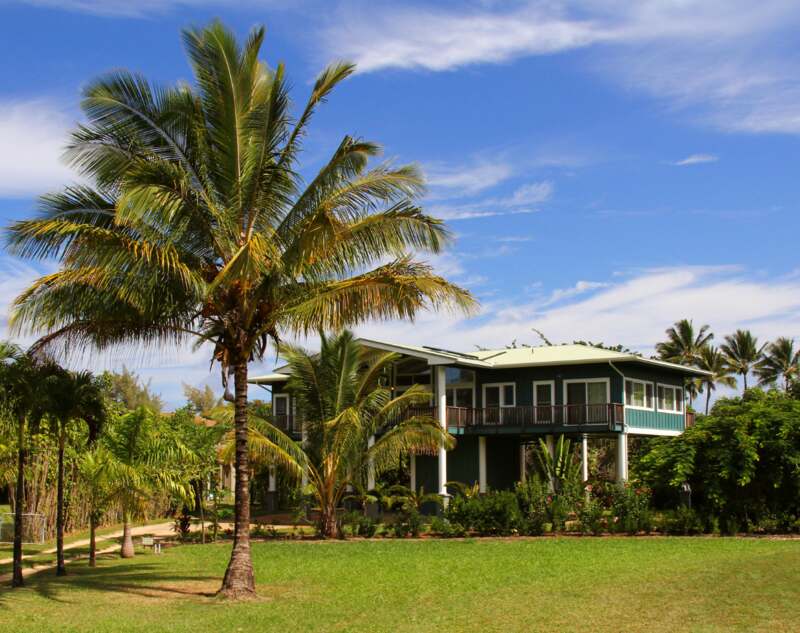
[(155, 529)]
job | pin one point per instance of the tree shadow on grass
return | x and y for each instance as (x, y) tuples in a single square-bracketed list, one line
[(139, 578)]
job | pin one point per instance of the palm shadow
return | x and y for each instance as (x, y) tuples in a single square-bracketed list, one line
[(140, 578)]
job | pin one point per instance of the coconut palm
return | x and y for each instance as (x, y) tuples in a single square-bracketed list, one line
[(714, 362), (684, 344), (742, 353), (144, 459), (199, 225), (780, 359), (343, 400)]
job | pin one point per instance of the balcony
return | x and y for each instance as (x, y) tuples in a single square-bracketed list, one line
[(564, 418)]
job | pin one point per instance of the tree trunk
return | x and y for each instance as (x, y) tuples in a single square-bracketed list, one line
[(708, 398), (92, 542), (16, 579), (744, 375), (328, 525), (127, 551), (61, 569), (239, 581), (202, 513)]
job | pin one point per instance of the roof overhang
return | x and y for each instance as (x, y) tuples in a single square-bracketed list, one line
[(268, 379)]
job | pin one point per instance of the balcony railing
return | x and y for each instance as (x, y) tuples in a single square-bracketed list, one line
[(530, 416)]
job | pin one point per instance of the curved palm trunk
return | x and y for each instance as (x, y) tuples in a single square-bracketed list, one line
[(61, 569), (708, 398), (239, 581), (16, 577), (744, 376), (127, 551)]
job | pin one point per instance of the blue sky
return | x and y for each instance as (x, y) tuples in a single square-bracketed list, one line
[(607, 167)]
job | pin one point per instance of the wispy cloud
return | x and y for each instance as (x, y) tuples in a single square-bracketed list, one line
[(523, 200), (748, 80), (32, 138), (469, 178), (140, 8), (695, 159)]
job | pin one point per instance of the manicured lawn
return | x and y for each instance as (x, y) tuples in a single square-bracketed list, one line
[(566, 584)]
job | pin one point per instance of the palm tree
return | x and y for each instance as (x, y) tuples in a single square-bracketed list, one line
[(742, 352), (714, 362), (71, 396), (144, 459), (780, 358), (96, 472), (200, 226), (684, 346), (343, 401)]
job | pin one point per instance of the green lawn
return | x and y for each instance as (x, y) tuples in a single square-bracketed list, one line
[(551, 584)]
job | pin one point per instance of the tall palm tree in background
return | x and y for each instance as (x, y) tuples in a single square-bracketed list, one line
[(199, 225), (780, 359), (742, 353), (684, 346), (714, 362), (71, 396), (343, 401)]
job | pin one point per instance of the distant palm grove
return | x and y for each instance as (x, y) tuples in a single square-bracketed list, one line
[(200, 226)]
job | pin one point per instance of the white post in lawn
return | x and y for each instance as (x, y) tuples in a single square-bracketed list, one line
[(412, 467), (622, 457), (523, 470), (482, 463), (273, 479), (371, 466), (585, 456), (441, 412)]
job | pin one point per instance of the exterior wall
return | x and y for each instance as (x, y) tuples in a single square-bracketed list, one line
[(653, 420)]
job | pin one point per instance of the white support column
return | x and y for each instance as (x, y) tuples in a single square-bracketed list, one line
[(482, 463), (622, 457), (523, 470), (273, 479), (412, 467), (371, 466), (585, 456), (441, 411)]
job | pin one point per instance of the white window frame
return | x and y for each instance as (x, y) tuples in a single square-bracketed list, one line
[(454, 386), (288, 403), (501, 385), (552, 384), (607, 381), (641, 382), (680, 411)]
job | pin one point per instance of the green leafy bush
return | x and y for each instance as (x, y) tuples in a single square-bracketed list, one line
[(684, 521), (495, 512), (590, 515), (631, 508), (443, 527), (532, 498), (360, 524)]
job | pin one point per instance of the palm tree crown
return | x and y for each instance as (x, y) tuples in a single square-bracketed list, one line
[(742, 352), (780, 359), (683, 344), (200, 225), (713, 361)]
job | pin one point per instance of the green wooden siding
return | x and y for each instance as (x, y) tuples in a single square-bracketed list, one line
[(654, 420)]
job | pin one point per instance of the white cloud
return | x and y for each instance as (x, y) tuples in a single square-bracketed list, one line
[(728, 59), (124, 8), (695, 159), (32, 138), (581, 287), (525, 199), (632, 310), (533, 193), (467, 179)]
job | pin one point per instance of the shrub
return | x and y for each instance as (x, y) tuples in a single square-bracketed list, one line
[(590, 515), (532, 498), (631, 507), (183, 525), (440, 526), (360, 525), (409, 521), (685, 521), (493, 513)]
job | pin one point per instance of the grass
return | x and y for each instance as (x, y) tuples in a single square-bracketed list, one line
[(551, 584)]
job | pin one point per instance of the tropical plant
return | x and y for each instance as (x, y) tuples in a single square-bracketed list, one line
[(145, 459), (199, 226), (684, 345), (71, 396), (96, 470), (742, 353), (713, 361), (411, 499), (343, 400), (21, 401), (780, 360), (560, 467)]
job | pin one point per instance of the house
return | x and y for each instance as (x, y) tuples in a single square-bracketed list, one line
[(499, 402)]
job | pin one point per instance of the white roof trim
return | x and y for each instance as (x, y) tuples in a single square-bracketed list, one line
[(268, 379)]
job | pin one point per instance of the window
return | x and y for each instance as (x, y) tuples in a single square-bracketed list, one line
[(587, 400), (544, 399), (670, 399), (639, 394), (459, 396), (497, 397)]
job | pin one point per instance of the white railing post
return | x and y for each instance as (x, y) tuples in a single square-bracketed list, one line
[(585, 457), (441, 411)]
